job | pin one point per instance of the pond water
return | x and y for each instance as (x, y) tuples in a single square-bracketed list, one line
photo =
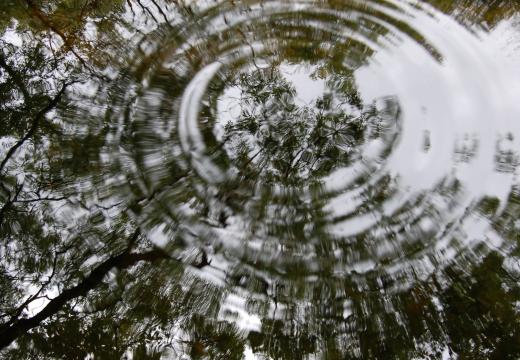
[(307, 179)]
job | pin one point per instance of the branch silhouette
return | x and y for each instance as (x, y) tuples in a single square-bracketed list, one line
[(10, 332)]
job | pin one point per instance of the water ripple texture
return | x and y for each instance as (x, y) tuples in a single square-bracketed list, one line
[(359, 144)]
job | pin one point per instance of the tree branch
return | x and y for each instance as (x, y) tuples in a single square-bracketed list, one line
[(10, 332), (145, 9), (67, 41), (27, 201), (36, 296), (10, 202), (162, 13), (32, 130)]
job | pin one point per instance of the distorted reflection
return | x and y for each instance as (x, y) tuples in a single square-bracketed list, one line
[(307, 179)]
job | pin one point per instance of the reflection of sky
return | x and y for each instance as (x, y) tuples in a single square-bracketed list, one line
[(307, 89), (473, 92), (10, 36)]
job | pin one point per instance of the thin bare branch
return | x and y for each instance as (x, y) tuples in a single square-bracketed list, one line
[(35, 124)]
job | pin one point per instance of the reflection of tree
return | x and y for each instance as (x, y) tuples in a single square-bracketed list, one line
[(290, 143), (507, 158), (43, 256), (482, 320), (472, 314), (488, 13), (70, 242), (466, 149)]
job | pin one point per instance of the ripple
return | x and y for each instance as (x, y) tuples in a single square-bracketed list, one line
[(309, 141)]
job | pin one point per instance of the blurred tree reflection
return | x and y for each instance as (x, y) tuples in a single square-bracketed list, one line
[(292, 144), (79, 275)]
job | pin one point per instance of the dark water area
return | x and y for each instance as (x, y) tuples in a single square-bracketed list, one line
[(307, 179)]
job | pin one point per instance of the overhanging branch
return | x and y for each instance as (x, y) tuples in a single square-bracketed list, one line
[(11, 332)]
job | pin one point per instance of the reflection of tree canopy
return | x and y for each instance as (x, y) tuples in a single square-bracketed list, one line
[(287, 142), (80, 278), (487, 13)]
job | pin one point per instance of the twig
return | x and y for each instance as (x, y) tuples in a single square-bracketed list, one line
[(32, 130)]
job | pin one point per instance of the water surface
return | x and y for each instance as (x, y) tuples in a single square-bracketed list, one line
[(260, 179)]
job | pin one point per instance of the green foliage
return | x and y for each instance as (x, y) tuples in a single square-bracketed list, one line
[(481, 316), (289, 144), (67, 205), (216, 340)]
